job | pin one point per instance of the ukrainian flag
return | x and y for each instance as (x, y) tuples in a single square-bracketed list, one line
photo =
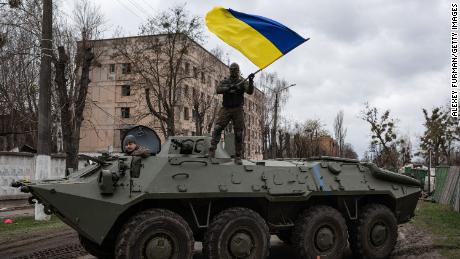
[(260, 39)]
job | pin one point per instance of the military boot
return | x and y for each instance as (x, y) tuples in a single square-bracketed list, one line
[(211, 152)]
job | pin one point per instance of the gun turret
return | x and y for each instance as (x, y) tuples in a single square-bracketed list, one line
[(186, 146)]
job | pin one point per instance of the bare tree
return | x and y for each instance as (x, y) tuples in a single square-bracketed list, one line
[(349, 152), (340, 132), (276, 94), (313, 131), (203, 102), (266, 82), (307, 137), (405, 150), (441, 136), (19, 69), (87, 23), (384, 143), (218, 53), (158, 59)]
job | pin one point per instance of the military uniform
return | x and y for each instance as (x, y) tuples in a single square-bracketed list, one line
[(233, 91)]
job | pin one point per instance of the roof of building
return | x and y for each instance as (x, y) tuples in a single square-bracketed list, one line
[(158, 35)]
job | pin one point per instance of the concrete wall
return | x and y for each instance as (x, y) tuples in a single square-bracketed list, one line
[(16, 166)]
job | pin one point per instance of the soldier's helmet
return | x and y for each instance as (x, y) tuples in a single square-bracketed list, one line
[(129, 139)]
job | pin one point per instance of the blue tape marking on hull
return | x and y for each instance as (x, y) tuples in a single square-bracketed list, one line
[(317, 174)]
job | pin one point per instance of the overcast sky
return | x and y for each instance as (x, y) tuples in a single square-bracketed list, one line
[(393, 54)]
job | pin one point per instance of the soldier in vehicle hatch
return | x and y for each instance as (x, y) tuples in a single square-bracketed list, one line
[(134, 149), (232, 88)]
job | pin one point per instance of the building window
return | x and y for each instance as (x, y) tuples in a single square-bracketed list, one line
[(125, 90), (195, 72), (126, 68), (185, 90), (194, 115), (203, 78), (112, 68), (187, 68), (186, 114), (125, 112)]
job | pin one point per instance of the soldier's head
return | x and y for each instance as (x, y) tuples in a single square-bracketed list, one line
[(234, 70), (130, 143)]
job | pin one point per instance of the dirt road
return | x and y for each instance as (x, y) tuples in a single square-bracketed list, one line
[(63, 243)]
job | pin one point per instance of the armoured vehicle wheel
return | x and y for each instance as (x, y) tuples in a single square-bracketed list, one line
[(375, 233), (320, 231), (94, 249), (237, 233), (285, 236), (155, 234)]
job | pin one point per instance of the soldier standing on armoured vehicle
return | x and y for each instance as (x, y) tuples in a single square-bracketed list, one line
[(134, 149), (232, 89)]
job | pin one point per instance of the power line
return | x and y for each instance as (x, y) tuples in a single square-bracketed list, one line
[(138, 8), (129, 9), (106, 112), (147, 3), (111, 115)]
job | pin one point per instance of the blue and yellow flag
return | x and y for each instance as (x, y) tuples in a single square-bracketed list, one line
[(260, 39)]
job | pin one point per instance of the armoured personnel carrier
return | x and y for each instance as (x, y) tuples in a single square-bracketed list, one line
[(157, 207)]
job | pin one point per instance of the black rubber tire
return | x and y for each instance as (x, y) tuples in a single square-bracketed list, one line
[(310, 222), (232, 221), (95, 249), (285, 236), (143, 226), (360, 231)]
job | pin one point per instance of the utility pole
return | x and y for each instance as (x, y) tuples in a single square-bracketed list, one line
[(317, 142), (43, 160), (429, 174), (275, 123), (43, 147)]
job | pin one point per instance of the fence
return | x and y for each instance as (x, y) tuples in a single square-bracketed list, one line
[(16, 166), (448, 186), (419, 174)]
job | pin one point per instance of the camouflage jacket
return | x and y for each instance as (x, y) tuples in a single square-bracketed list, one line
[(233, 91)]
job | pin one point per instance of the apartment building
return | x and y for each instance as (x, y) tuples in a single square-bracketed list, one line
[(116, 102)]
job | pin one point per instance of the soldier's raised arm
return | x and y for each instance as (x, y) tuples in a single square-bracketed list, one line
[(250, 85)]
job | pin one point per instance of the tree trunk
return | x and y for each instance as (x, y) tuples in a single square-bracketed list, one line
[(88, 57), (171, 128), (71, 125), (64, 102)]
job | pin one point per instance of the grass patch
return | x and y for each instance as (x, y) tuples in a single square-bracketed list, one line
[(24, 225), (443, 223)]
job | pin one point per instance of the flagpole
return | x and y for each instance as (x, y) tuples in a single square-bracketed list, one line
[(246, 79)]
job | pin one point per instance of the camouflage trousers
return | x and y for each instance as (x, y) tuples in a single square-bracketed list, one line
[(224, 117)]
